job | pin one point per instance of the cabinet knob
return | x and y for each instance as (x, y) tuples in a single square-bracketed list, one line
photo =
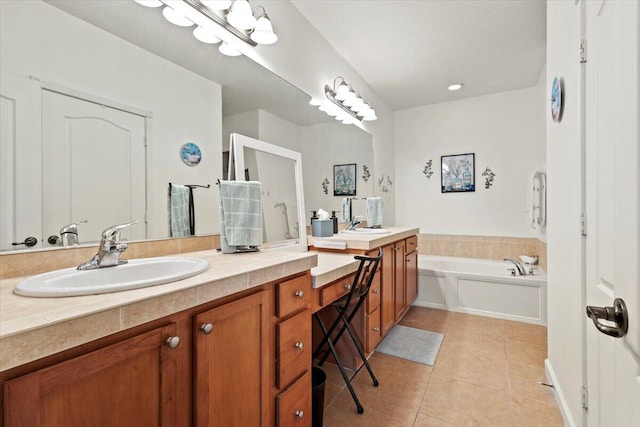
[(206, 328), (375, 291), (347, 287), (376, 329), (173, 342), (299, 345), (299, 294), (299, 414)]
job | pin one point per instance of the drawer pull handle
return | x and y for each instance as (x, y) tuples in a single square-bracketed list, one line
[(375, 291), (299, 294), (206, 328), (376, 329), (299, 414), (173, 342), (299, 345), (347, 287)]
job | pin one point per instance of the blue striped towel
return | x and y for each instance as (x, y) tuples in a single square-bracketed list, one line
[(241, 212), (374, 211), (179, 221)]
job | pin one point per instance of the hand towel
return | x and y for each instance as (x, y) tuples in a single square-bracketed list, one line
[(180, 210), (373, 208), (241, 212)]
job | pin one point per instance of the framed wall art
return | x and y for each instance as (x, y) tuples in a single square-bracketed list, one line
[(458, 173), (344, 180)]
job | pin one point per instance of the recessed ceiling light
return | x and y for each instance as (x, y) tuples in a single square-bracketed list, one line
[(455, 86)]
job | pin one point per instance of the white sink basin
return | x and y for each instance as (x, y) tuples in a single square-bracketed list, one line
[(367, 231), (138, 273)]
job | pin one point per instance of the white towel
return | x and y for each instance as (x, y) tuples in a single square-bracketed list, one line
[(373, 207), (179, 223), (241, 212)]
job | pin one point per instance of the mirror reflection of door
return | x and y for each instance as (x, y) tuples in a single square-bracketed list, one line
[(91, 170)]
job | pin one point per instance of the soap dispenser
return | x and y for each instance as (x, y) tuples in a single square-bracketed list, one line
[(314, 216), (334, 218)]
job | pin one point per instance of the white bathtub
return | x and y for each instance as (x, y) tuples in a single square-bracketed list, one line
[(483, 287)]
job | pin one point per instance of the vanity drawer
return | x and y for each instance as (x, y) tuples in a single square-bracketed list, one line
[(412, 244), (293, 405), (373, 299), (293, 295), (374, 334), (334, 291), (293, 347)]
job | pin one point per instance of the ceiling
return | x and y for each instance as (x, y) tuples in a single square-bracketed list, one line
[(410, 51)]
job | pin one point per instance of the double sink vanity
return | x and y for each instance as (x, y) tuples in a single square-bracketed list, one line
[(229, 346)]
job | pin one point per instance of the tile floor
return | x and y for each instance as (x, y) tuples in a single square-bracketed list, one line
[(486, 374)]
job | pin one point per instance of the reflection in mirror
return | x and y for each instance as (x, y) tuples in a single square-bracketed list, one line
[(121, 56), (279, 170)]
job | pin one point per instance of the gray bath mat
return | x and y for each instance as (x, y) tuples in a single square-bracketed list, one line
[(412, 344)]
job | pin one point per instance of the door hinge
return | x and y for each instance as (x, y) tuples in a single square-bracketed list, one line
[(583, 51), (585, 396), (583, 224)]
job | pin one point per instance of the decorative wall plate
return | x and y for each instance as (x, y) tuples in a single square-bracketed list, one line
[(556, 100), (190, 154)]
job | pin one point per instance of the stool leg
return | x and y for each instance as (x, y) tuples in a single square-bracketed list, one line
[(360, 352)]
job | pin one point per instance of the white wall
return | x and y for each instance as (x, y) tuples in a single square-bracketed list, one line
[(504, 130), (564, 243), (244, 123), (185, 106)]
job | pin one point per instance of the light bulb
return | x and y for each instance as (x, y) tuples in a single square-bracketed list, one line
[(314, 102), (227, 49), (455, 86), (342, 91), (176, 18), (241, 16), (150, 3), (357, 105), (205, 35), (370, 116), (263, 32)]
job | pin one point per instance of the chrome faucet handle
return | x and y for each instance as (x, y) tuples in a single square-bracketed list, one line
[(111, 235), (72, 228)]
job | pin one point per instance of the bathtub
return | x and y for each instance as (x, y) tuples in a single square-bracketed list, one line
[(482, 287)]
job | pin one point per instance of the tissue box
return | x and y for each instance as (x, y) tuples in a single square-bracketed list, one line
[(322, 228)]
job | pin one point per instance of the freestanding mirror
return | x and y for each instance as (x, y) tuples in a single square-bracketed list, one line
[(280, 172)]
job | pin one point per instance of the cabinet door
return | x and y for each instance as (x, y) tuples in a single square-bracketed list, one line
[(373, 333), (411, 278), (399, 282), (130, 383), (231, 374), (388, 294)]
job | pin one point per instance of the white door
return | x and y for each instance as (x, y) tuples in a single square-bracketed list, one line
[(93, 168), (613, 210), (20, 162)]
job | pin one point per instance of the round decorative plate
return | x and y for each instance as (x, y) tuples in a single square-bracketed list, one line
[(190, 154), (556, 100)]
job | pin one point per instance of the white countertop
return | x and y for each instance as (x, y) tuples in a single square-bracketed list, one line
[(369, 241)]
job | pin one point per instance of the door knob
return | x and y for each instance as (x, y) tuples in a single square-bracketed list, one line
[(617, 314), (28, 242)]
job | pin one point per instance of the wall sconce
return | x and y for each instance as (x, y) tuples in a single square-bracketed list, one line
[(344, 103), (219, 21)]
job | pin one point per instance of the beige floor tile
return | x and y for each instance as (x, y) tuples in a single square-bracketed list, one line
[(377, 413), (465, 404), (524, 353), (331, 391), (473, 372), (469, 326), (520, 331), (400, 381), (423, 420), (531, 413), (428, 319), (483, 349), (523, 382)]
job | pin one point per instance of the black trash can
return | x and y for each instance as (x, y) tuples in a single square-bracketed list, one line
[(318, 379)]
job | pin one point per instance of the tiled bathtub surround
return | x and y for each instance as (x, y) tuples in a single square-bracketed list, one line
[(486, 247), (29, 263)]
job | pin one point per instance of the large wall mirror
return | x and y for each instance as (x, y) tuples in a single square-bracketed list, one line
[(98, 97)]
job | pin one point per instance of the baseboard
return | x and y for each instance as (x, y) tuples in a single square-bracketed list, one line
[(559, 395)]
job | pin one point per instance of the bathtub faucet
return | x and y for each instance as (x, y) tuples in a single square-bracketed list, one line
[(519, 267)]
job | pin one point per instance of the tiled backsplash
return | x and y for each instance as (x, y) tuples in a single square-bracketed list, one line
[(29, 263), (486, 247)]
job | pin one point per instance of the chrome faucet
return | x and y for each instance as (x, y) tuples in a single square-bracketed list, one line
[(519, 267), (354, 223), (109, 250), (69, 234)]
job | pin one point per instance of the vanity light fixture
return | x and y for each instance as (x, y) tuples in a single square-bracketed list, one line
[(345, 104), (233, 23), (455, 86)]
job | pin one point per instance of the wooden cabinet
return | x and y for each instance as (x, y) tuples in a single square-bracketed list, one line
[(399, 280), (411, 277), (231, 368), (130, 383), (243, 360), (387, 304)]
